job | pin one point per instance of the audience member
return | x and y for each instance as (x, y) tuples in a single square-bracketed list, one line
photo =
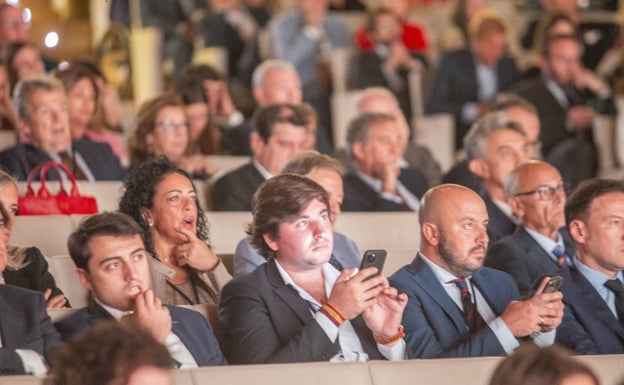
[(552, 365), (456, 307), (467, 81), (7, 113), (456, 37), (297, 307), (24, 61), (162, 199), (378, 183), (540, 244), (41, 106), (495, 145), (592, 287), (327, 172), (112, 262), (567, 97), (279, 134), (112, 353)]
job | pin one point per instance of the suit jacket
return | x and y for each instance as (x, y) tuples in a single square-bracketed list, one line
[(523, 258), (34, 276), (24, 324), (435, 326), (499, 224), (460, 174), (263, 320), (358, 196), (234, 190), (588, 326), (100, 159), (455, 84), (191, 327)]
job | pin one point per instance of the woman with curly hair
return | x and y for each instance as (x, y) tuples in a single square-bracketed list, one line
[(163, 201)]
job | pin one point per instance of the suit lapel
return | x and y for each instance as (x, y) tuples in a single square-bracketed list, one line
[(534, 252), (288, 294)]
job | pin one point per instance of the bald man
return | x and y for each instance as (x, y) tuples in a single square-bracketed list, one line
[(456, 307)]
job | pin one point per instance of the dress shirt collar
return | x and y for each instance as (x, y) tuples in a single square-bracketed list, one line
[(116, 313), (545, 242), (506, 209), (595, 277), (329, 273), (263, 171), (376, 185)]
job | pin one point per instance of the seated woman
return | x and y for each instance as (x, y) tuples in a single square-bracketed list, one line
[(23, 266), (162, 129), (24, 60), (163, 201)]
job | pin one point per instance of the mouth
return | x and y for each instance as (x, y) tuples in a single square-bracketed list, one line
[(134, 289), (189, 222)]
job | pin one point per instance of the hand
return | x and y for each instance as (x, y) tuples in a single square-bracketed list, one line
[(384, 316), (55, 302), (351, 294), (194, 253), (542, 312), (150, 314), (587, 79), (400, 55), (581, 118), (219, 99), (388, 172)]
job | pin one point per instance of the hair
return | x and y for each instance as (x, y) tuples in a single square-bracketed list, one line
[(262, 71), (140, 151), (511, 185), (107, 353), (459, 16), (8, 54), (375, 91), (278, 200), (115, 224), (306, 161), (530, 364), (71, 75), (359, 128), (475, 141), (371, 23), (26, 87), (140, 187), (550, 40), (16, 255), (579, 202), (486, 21), (544, 25), (506, 100), (266, 117)]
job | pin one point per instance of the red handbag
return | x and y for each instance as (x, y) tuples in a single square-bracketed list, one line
[(44, 203)]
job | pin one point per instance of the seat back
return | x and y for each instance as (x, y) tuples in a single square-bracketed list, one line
[(227, 228), (63, 270), (49, 233), (381, 230)]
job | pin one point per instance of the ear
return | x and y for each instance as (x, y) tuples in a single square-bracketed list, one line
[(258, 94), (270, 241), (85, 278), (479, 168), (431, 233), (578, 231), (24, 127), (256, 143), (357, 150), (516, 206)]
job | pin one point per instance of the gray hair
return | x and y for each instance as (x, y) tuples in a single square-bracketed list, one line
[(28, 86), (261, 71), (375, 91), (359, 127), (505, 100), (475, 141)]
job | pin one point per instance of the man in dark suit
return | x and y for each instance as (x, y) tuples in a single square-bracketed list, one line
[(541, 243), (279, 134), (43, 118), (467, 81), (495, 145), (297, 307), (112, 263), (592, 287), (378, 183), (456, 307), (27, 336)]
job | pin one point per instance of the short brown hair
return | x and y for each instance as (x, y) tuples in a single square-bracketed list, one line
[(306, 161)]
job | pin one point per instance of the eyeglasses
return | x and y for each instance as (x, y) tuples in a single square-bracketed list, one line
[(168, 125), (544, 192)]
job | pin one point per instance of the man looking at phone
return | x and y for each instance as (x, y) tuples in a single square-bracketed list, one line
[(592, 287), (297, 307), (456, 307)]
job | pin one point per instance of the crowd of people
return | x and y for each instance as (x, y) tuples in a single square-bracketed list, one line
[(521, 209)]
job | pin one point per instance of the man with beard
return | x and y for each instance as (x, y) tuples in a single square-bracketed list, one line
[(456, 307)]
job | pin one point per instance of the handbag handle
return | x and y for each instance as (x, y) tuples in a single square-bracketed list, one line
[(44, 170), (31, 175)]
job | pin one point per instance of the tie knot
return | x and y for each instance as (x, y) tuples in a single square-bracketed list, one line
[(558, 251), (460, 283), (615, 285)]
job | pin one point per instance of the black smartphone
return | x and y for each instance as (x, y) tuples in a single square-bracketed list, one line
[(373, 258), (553, 284)]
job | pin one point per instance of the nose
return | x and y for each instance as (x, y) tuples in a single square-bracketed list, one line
[(482, 237), (130, 271)]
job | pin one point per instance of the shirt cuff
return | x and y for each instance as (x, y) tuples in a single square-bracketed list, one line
[(391, 197), (328, 326), (504, 335), (544, 339), (394, 353), (33, 362)]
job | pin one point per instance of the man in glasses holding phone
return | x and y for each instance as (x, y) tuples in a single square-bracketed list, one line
[(540, 244)]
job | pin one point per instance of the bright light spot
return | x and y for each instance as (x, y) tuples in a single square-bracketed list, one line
[(63, 65), (27, 15), (51, 39), (14, 3)]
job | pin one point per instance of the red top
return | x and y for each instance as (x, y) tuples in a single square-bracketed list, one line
[(413, 38)]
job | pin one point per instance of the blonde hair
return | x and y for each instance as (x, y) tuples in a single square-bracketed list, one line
[(16, 255)]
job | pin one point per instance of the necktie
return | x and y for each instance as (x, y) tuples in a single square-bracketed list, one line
[(615, 285), (562, 258), (469, 307), (72, 166)]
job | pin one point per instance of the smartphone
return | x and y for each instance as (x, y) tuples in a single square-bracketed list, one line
[(373, 258), (553, 284)]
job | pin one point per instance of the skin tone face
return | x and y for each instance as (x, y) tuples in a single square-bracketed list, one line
[(306, 242), (81, 102), (385, 104), (28, 62), (12, 26), (118, 270), (600, 239), (48, 124), (287, 141), (564, 61), (198, 115), (280, 86), (490, 47), (382, 147), (174, 208), (170, 135), (331, 181), (149, 375), (544, 216), (387, 28)]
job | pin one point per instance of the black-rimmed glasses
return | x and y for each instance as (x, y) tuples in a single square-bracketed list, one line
[(544, 192)]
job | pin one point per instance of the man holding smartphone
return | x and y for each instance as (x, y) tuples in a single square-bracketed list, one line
[(297, 307), (457, 307)]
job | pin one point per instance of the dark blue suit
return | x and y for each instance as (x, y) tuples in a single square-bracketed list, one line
[(234, 190), (100, 159), (24, 324), (191, 327), (524, 259), (434, 324), (588, 325), (499, 224)]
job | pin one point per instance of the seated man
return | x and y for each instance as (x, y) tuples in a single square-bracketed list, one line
[(327, 172), (41, 107), (456, 307), (592, 287), (297, 307), (378, 183), (541, 243), (112, 263)]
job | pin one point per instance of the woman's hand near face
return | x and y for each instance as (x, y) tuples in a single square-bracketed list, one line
[(194, 253)]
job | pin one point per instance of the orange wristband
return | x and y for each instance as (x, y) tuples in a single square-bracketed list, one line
[(388, 340)]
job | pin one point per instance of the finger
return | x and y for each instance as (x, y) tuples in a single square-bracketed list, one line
[(47, 293), (542, 285), (186, 232), (347, 274), (57, 301)]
